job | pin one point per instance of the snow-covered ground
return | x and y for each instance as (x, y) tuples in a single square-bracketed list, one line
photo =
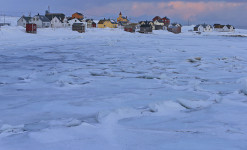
[(112, 90)]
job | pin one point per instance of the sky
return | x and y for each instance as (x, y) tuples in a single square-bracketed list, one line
[(183, 11)]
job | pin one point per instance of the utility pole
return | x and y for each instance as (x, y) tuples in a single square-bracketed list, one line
[(4, 18)]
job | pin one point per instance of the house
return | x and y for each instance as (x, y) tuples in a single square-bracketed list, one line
[(122, 24), (175, 28), (122, 19), (80, 27), (157, 18), (78, 16), (166, 21), (23, 21), (203, 28), (71, 21), (90, 23), (149, 22), (57, 19), (158, 25), (223, 28), (131, 27), (146, 27), (107, 23), (41, 21)]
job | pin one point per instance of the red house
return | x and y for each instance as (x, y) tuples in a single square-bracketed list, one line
[(166, 21), (156, 18), (31, 28)]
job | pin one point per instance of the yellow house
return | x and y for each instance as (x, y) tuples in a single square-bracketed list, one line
[(107, 23), (121, 18)]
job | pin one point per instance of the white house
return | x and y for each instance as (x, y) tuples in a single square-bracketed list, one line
[(58, 20), (41, 21), (23, 21), (71, 21), (223, 28), (203, 28)]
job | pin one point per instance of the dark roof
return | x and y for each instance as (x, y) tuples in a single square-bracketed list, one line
[(166, 18), (229, 26), (78, 24), (43, 18), (26, 18), (203, 25), (146, 24), (60, 16)]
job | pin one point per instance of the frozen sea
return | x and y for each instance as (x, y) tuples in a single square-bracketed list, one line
[(112, 90)]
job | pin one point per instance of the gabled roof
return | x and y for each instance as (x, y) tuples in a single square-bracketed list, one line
[(166, 18), (42, 18), (103, 21), (78, 24), (26, 18), (70, 18), (203, 25), (60, 16), (159, 20), (229, 26), (146, 24), (79, 14)]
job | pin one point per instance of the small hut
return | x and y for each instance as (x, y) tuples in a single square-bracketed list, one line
[(130, 28), (80, 27), (31, 28), (175, 28), (146, 28)]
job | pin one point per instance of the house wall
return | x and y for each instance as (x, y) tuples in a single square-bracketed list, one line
[(72, 21), (39, 22), (22, 22), (107, 24), (56, 23)]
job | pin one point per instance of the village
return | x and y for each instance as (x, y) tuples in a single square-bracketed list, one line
[(78, 23)]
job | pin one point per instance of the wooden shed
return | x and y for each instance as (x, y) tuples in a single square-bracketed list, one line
[(31, 28), (175, 28), (130, 28), (80, 27)]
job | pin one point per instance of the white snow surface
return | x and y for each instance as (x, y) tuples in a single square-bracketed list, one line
[(112, 90)]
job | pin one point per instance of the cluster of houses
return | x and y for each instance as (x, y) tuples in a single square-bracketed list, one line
[(216, 27), (78, 23)]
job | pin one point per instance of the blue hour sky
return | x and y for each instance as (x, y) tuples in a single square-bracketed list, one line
[(195, 11)]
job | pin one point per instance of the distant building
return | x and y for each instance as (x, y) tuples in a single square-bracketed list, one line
[(146, 27), (166, 21), (159, 25), (175, 28), (131, 27), (151, 23), (57, 20), (122, 19), (78, 16), (90, 23), (23, 21), (203, 28), (80, 27), (107, 23), (157, 18), (71, 21), (41, 21), (223, 28)]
